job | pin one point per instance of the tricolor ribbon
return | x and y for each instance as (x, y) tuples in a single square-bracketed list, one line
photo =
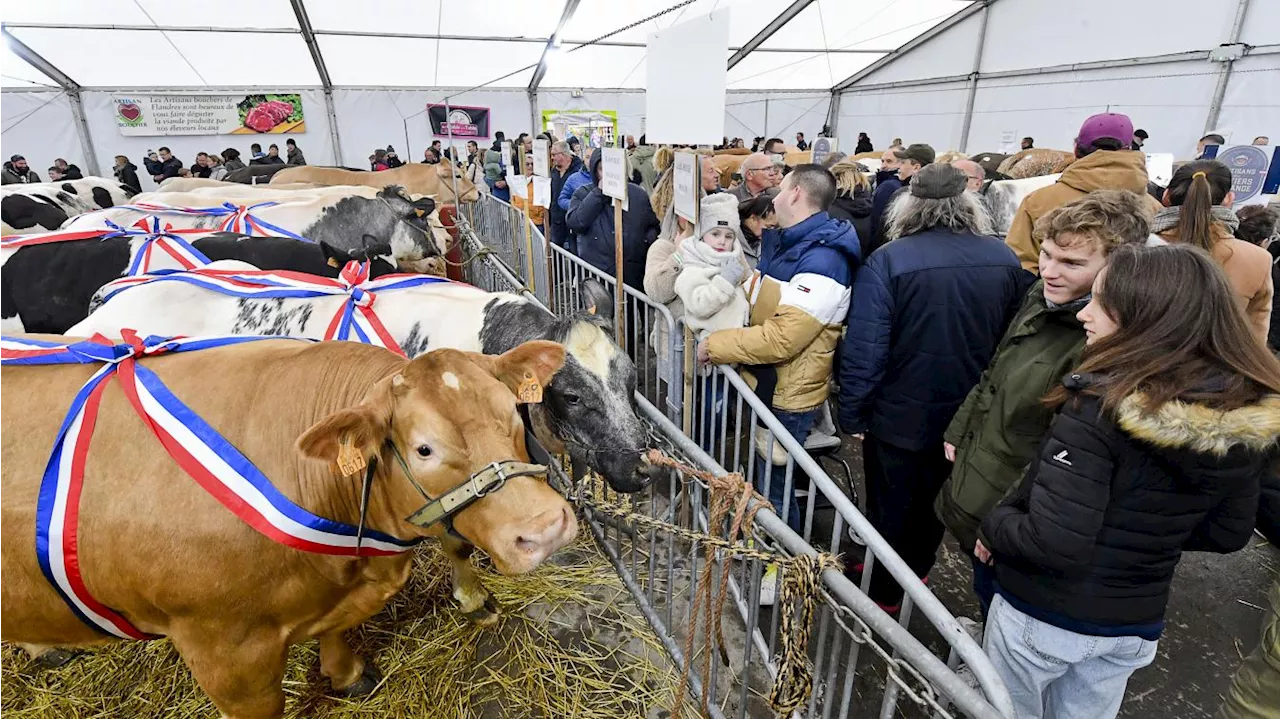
[(204, 454), (154, 235), (356, 320), (239, 218)]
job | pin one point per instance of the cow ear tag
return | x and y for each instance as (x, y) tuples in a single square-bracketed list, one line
[(530, 390), (419, 212), (350, 459), (591, 310), (333, 262)]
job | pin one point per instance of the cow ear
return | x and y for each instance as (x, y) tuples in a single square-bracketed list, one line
[(333, 256), (424, 206), (349, 437), (598, 302), (525, 370)]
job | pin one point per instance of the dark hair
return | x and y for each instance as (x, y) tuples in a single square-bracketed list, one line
[(162, 149), (641, 141), (817, 182), (1208, 356), (255, 146), (759, 206), (1197, 186), (231, 153), (273, 146), (1028, 137), (1217, 139), (1109, 144), (1257, 223), (290, 142), (772, 140), (1141, 133), (801, 134), (499, 136)]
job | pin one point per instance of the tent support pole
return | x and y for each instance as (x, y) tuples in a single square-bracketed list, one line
[(533, 112), (334, 138), (973, 79), (1224, 77), (82, 129), (833, 116), (69, 86)]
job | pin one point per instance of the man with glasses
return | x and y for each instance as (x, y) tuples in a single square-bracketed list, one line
[(563, 164), (759, 173)]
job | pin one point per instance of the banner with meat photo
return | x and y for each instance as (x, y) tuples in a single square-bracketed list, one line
[(468, 122), (210, 114)]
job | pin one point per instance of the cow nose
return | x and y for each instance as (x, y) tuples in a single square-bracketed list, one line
[(548, 532)]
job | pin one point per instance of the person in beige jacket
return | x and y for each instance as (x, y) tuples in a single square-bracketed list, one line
[(1198, 212), (1103, 162)]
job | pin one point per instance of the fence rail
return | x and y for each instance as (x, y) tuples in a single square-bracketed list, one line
[(713, 420)]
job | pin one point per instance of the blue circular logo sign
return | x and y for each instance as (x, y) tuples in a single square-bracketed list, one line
[(1248, 165)]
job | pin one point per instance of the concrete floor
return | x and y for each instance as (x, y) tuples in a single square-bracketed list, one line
[(1213, 621)]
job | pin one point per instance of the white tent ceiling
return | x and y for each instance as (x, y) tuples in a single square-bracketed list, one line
[(156, 44)]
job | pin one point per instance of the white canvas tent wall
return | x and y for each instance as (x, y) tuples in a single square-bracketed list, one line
[(1039, 67), (366, 72)]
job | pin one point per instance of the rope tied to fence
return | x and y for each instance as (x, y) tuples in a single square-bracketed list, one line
[(801, 586)]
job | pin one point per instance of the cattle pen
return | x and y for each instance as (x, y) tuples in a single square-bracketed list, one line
[(508, 252)]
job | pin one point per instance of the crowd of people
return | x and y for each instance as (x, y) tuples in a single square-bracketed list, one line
[(1077, 403)]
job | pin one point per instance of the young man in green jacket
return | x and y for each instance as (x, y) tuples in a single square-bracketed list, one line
[(996, 432)]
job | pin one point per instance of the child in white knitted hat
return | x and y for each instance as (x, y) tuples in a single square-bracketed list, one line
[(712, 269)]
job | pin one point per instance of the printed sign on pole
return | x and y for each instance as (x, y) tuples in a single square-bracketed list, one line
[(541, 158), (1251, 167), (613, 168), (822, 148), (1160, 167), (684, 179), (1008, 141), (542, 191), (506, 153)]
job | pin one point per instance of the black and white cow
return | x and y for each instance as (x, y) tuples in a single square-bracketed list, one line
[(46, 206), (1003, 197), (588, 411), (339, 219), (47, 288)]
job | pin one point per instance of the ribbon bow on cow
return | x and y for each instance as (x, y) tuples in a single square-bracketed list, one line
[(199, 449), (355, 320), (148, 228), (239, 218)]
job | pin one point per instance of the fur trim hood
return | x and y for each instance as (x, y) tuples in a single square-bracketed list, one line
[(1195, 427)]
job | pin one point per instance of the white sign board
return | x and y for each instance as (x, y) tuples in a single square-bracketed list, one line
[(1009, 142), (1160, 167), (542, 191), (518, 185), (506, 153), (822, 148), (541, 159), (684, 179), (684, 93), (613, 170), (209, 114)]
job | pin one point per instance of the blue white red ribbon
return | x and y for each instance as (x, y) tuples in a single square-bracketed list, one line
[(154, 236), (355, 320), (204, 454), (239, 218)]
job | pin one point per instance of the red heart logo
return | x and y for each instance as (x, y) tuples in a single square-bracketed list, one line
[(129, 111)]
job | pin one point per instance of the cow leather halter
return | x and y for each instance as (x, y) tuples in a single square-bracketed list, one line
[(442, 509)]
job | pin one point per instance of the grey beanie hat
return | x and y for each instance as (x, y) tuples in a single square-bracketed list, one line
[(938, 181), (719, 210)]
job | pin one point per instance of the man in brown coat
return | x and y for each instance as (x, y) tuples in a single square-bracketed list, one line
[(1103, 162)]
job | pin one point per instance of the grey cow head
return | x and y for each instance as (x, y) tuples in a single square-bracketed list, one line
[(589, 409)]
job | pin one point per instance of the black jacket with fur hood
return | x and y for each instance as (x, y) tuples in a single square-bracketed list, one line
[(1090, 538)]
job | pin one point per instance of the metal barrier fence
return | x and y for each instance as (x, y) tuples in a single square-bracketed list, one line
[(664, 576)]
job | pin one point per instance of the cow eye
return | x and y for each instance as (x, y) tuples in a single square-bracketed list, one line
[(571, 398), (424, 451)]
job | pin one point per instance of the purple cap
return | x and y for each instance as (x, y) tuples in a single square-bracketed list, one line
[(1107, 124)]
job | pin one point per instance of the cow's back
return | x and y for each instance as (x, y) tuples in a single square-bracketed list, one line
[(154, 544)]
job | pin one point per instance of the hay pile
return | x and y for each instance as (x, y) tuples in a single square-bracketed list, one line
[(570, 644)]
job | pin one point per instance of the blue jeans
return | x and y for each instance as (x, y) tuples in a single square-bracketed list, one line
[(1058, 674), (798, 424)]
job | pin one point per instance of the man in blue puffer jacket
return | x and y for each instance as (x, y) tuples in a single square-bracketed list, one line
[(590, 218), (929, 308), (568, 187)]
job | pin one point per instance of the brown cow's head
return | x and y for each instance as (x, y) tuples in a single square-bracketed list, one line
[(466, 189), (450, 414)]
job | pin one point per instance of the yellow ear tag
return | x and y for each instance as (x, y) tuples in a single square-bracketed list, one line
[(350, 459), (530, 391), (419, 212), (591, 310), (333, 262)]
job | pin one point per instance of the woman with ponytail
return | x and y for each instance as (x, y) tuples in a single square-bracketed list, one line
[(1198, 212)]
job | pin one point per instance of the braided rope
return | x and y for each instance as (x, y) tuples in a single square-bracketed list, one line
[(801, 589)]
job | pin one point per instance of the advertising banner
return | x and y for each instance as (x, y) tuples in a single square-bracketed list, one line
[(465, 122), (138, 115)]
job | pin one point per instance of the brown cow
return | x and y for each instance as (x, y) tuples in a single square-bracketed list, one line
[(162, 552), (1035, 162), (415, 178)]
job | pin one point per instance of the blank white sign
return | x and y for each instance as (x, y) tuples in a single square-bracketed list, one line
[(613, 166), (684, 196), (541, 159), (684, 93)]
